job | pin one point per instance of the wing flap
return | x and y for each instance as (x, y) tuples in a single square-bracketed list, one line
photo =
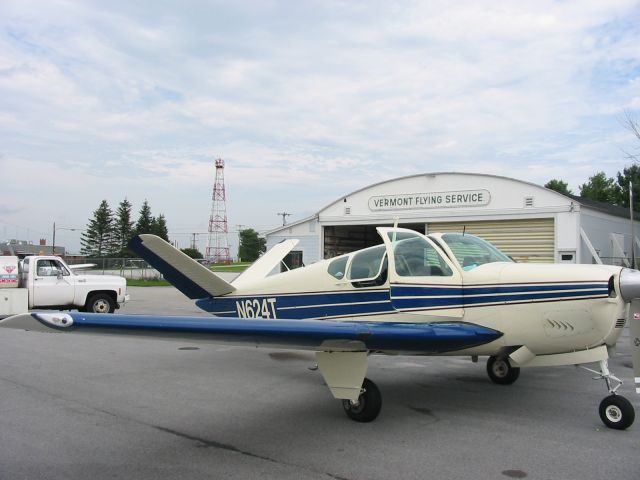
[(318, 335)]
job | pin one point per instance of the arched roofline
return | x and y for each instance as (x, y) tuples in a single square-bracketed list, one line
[(443, 173)]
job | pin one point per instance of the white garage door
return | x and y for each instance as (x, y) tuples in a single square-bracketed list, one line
[(530, 240)]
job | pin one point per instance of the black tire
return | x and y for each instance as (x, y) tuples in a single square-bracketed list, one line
[(616, 412), (100, 303), (368, 406), (501, 372)]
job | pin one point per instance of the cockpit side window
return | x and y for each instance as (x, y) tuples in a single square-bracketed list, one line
[(416, 257), (337, 267), (471, 251), (369, 267)]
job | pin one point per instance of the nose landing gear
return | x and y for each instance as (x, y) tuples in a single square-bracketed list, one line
[(615, 411)]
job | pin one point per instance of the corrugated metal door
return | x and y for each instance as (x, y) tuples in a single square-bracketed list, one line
[(526, 240)]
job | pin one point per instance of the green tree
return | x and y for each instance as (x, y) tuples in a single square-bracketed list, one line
[(145, 220), (600, 188), (159, 227), (123, 228), (558, 186), (98, 238), (251, 245), (191, 252), (629, 174)]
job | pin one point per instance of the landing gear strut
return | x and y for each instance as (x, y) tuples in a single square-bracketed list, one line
[(501, 372), (615, 410), (368, 405)]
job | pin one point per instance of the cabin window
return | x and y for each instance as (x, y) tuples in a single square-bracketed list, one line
[(337, 267), (416, 257), (369, 267)]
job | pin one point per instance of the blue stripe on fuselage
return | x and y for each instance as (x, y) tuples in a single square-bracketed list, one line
[(398, 297)]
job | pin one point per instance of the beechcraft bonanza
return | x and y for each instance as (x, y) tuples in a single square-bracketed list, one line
[(414, 294)]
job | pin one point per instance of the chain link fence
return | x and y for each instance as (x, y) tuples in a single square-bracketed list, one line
[(133, 268)]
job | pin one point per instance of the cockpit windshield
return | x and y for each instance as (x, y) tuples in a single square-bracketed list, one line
[(471, 251)]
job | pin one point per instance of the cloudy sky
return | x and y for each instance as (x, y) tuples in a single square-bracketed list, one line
[(304, 100)]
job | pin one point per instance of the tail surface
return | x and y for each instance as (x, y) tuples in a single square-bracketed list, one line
[(183, 272)]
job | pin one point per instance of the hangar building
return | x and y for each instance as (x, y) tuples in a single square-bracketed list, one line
[(526, 221)]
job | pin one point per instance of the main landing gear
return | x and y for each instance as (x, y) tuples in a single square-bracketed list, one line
[(501, 372), (615, 410), (368, 405)]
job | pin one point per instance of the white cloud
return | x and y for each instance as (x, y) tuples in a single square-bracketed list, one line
[(305, 101)]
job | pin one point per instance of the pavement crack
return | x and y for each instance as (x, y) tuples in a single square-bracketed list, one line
[(204, 442)]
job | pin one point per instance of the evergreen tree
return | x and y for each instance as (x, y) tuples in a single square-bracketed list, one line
[(558, 186), (159, 227), (629, 174), (98, 239), (192, 252), (123, 227), (600, 188), (145, 220), (251, 245)]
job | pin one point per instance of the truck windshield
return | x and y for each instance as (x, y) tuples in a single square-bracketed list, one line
[(471, 251)]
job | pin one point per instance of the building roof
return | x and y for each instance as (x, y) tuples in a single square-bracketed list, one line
[(614, 210), (592, 204)]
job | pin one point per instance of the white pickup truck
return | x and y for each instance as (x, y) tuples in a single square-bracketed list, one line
[(47, 282)]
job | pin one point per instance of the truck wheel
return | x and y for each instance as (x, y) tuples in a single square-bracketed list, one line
[(100, 303)]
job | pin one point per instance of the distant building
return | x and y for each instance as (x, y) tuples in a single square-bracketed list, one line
[(526, 221), (22, 248)]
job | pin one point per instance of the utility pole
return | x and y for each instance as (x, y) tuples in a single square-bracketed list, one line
[(284, 216), (240, 228), (633, 236)]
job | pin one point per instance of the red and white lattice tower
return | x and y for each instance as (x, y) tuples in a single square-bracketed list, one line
[(218, 245)]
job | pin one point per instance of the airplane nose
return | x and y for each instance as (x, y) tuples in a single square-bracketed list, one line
[(629, 284)]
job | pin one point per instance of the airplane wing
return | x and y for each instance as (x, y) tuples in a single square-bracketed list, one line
[(267, 262), (184, 273), (318, 335)]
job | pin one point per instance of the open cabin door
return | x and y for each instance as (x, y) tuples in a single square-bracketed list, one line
[(421, 279)]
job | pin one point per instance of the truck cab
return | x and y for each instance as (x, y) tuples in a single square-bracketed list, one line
[(52, 284)]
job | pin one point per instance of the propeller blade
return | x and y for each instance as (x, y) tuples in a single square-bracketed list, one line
[(634, 335)]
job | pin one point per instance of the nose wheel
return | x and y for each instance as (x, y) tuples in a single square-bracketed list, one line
[(617, 412)]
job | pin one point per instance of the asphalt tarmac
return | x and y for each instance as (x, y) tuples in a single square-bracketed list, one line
[(80, 407)]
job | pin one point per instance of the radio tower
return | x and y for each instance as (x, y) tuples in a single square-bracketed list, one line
[(218, 245)]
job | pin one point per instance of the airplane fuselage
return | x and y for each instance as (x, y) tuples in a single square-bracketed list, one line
[(556, 309)]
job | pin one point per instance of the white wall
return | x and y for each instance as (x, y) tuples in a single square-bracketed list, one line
[(599, 226), (507, 198), (308, 232)]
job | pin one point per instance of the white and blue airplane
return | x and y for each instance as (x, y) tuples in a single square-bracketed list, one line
[(414, 294)]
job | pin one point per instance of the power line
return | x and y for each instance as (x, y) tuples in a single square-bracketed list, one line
[(284, 216)]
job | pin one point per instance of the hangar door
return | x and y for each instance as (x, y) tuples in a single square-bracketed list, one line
[(527, 240), (341, 239)]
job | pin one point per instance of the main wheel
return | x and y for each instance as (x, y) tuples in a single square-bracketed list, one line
[(100, 303), (501, 372), (617, 412), (368, 406)]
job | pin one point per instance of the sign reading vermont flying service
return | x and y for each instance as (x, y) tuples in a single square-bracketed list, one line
[(463, 198)]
